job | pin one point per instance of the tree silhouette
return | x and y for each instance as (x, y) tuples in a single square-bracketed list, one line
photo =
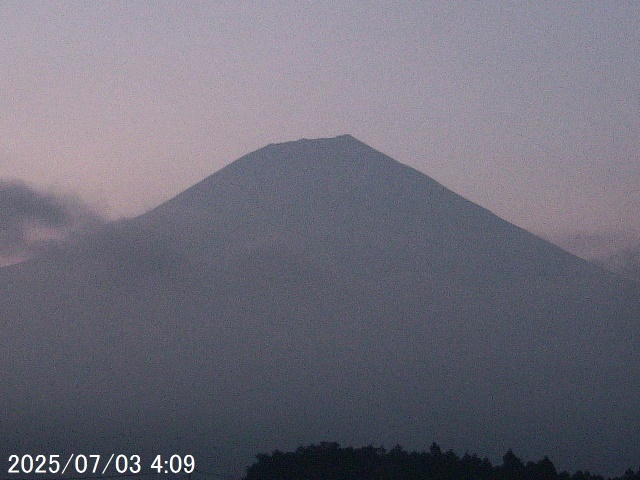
[(330, 461)]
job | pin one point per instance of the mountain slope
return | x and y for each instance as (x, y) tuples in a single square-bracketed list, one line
[(320, 290)]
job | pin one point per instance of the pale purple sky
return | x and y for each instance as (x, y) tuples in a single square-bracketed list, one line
[(530, 109)]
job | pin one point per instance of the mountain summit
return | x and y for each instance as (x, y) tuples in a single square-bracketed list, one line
[(318, 290)]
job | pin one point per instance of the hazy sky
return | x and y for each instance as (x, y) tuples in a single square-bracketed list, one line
[(530, 109)]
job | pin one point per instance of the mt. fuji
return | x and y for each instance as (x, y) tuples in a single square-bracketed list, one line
[(319, 290)]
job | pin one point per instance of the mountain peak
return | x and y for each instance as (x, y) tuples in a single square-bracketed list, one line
[(332, 140), (338, 145), (307, 169)]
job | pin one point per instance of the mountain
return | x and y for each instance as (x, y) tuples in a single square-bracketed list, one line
[(319, 290)]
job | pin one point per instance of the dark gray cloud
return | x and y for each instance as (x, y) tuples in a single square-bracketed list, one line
[(31, 221)]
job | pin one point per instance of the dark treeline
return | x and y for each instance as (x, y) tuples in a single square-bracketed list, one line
[(330, 461)]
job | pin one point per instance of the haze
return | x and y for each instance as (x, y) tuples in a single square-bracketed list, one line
[(317, 290), (263, 288), (530, 110)]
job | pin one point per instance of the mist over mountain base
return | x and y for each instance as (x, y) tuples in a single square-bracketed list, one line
[(319, 290)]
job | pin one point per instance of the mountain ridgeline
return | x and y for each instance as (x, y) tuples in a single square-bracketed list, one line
[(319, 289)]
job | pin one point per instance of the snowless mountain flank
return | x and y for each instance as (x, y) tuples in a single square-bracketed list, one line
[(319, 290)]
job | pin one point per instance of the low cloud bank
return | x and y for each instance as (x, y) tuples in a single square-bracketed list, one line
[(32, 221)]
